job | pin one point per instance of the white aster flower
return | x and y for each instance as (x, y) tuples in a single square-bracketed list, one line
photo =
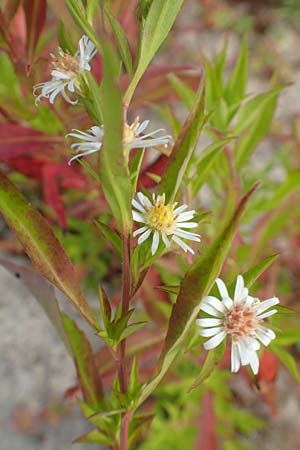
[(240, 318), (132, 138), (91, 141), (163, 221), (66, 72)]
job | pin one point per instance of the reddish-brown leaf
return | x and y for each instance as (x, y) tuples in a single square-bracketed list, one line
[(35, 15), (207, 436), (17, 140)]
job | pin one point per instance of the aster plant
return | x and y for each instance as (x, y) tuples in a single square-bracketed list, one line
[(167, 303)]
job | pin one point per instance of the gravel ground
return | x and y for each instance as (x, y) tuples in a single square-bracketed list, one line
[(35, 371)]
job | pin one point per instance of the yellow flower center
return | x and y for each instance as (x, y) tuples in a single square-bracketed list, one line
[(129, 133), (161, 217), (66, 63)]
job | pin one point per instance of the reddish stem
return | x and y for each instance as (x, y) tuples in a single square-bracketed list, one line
[(122, 347)]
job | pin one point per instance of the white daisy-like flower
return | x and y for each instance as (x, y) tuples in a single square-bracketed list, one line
[(132, 138), (91, 141), (66, 72), (241, 319), (164, 221)]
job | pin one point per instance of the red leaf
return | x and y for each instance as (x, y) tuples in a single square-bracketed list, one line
[(268, 369), (17, 140), (53, 176), (207, 436), (157, 168), (35, 15), (52, 195)]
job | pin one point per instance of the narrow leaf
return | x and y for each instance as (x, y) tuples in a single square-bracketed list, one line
[(159, 20), (35, 15), (183, 147), (122, 41), (111, 235), (237, 82), (114, 172), (206, 370), (41, 245), (89, 378)]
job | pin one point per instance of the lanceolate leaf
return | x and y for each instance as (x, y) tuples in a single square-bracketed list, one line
[(35, 14), (89, 378), (255, 133), (114, 173), (251, 275), (159, 20), (77, 12), (236, 86), (41, 245), (195, 285), (122, 42), (183, 147)]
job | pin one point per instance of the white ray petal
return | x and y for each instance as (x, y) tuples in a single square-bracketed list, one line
[(155, 242), (214, 341), (208, 332), (187, 235), (215, 302), (165, 240), (267, 314), (144, 236), (183, 217), (239, 289), (266, 304), (222, 288), (186, 224), (139, 231), (138, 206), (209, 322), (182, 244), (138, 217), (235, 358), (180, 209)]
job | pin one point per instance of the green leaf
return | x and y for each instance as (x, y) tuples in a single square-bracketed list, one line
[(205, 164), (236, 86), (43, 292), (159, 20), (206, 370), (249, 110), (105, 308), (186, 94), (41, 245), (110, 235), (255, 133), (114, 172), (94, 437), (195, 285), (251, 275), (77, 12), (122, 41), (183, 148), (89, 378), (64, 41), (130, 329), (91, 6), (287, 359), (135, 168)]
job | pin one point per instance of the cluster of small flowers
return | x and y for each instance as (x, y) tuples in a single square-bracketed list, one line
[(240, 317)]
